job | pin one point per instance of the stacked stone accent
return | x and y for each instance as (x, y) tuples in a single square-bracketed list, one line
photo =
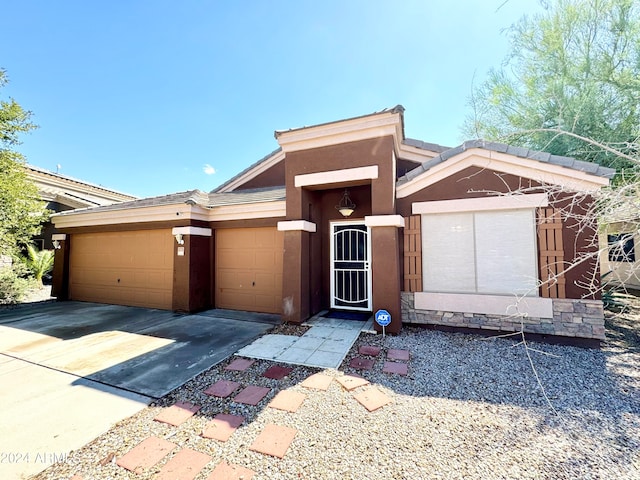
[(571, 318)]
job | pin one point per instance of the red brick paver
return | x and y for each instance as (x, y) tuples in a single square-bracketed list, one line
[(229, 471), (361, 363), (240, 364), (351, 382), (372, 399), (177, 414), (277, 372), (251, 395), (274, 440), (222, 426), (184, 466), (318, 381), (146, 454), (222, 388), (370, 350), (395, 354), (76, 477), (395, 367), (288, 401)]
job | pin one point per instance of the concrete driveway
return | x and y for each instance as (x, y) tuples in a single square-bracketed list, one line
[(70, 370)]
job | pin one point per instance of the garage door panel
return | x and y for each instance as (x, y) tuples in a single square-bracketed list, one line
[(237, 259), (265, 303), (249, 269), (267, 282), (265, 260), (142, 261)]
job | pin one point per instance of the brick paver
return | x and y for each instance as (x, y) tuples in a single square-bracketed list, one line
[(222, 388), (240, 364), (251, 395), (146, 454), (178, 413), (361, 363), (288, 401), (351, 382), (369, 350), (276, 372), (396, 368), (318, 381), (229, 471), (274, 440), (222, 426), (395, 354), (372, 399), (185, 465)]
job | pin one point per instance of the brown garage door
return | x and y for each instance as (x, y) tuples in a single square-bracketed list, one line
[(123, 268), (249, 269)]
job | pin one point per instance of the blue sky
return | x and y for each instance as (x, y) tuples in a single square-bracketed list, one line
[(143, 96)]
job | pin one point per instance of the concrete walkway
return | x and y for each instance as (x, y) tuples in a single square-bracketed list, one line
[(324, 345)]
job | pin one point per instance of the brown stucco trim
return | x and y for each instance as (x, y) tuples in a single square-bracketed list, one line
[(192, 274), (60, 273), (125, 227), (385, 274)]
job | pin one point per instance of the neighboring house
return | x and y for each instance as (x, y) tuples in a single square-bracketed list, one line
[(619, 241), (434, 236), (65, 193)]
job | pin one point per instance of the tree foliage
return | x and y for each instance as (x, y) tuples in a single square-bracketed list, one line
[(576, 68), (21, 212)]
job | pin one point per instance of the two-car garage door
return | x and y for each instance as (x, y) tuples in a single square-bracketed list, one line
[(123, 268), (249, 269), (136, 268)]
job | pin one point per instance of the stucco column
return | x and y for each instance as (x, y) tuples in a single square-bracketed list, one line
[(192, 269), (385, 267), (60, 274), (295, 277)]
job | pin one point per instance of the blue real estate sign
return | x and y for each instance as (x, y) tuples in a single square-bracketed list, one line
[(383, 318)]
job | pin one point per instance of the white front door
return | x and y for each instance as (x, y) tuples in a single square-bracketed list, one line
[(350, 266)]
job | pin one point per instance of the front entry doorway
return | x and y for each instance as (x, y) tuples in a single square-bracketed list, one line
[(350, 266)]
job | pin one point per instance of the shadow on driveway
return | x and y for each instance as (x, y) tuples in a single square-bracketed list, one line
[(145, 351)]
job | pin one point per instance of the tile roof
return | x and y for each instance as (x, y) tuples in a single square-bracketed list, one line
[(432, 147), (194, 197), (75, 180), (269, 194), (544, 157), (191, 196)]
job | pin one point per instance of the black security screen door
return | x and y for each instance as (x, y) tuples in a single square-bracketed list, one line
[(350, 266)]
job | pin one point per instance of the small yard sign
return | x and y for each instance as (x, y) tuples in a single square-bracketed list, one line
[(383, 318)]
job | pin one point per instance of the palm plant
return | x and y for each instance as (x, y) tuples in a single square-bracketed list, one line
[(40, 262)]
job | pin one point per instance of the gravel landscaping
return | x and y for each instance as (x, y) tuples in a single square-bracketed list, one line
[(470, 407)]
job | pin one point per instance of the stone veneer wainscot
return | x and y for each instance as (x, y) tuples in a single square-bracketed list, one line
[(571, 318)]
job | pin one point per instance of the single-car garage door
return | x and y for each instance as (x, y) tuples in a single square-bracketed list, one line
[(122, 268), (249, 269)]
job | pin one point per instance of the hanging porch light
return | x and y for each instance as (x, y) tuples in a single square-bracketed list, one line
[(346, 206)]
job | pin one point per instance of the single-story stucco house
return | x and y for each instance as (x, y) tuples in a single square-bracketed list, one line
[(353, 215)]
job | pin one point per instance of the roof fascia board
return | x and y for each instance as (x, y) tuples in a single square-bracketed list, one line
[(383, 124), (248, 211), (52, 180), (158, 213), (254, 172), (545, 173)]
